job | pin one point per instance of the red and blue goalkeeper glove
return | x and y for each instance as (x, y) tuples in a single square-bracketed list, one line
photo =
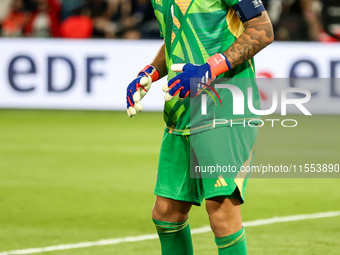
[(204, 74), (138, 88)]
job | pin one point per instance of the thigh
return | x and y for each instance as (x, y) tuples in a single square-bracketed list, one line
[(221, 153), (173, 176)]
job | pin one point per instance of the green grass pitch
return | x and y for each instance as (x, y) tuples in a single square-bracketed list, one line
[(75, 176)]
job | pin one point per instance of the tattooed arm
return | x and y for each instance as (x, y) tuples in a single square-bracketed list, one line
[(257, 35)]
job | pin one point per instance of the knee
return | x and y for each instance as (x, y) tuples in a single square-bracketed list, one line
[(224, 220), (219, 224), (161, 212), (168, 210)]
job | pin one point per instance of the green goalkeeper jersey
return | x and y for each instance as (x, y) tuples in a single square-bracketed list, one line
[(194, 30)]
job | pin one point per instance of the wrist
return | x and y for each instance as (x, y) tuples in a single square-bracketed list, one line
[(219, 64), (151, 71)]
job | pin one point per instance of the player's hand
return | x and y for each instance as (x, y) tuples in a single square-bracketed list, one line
[(138, 88), (182, 86)]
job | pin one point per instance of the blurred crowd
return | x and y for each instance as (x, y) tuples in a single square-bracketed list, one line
[(293, 20), (305, 20), (128, 19)]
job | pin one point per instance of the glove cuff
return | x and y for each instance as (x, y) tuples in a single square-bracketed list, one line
[(151, 71), (219, 64)]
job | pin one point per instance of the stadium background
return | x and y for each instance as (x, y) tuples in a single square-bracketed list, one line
[(74, 168)]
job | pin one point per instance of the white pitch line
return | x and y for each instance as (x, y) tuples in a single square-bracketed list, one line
[(205, 229)]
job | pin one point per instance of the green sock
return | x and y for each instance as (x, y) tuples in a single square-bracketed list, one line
[(234, 244), (175, 237)]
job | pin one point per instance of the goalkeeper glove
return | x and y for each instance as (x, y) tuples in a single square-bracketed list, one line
[(180, 84), (138, 88)]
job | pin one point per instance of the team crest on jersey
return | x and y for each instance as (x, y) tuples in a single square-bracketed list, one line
[(257, 3)]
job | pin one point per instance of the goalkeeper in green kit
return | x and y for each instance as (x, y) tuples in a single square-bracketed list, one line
[(204, 40)]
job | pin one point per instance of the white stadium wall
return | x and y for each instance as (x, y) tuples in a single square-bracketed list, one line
[(93, 74)]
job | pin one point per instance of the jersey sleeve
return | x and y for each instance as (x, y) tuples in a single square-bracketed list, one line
[(160, 17), (231, 3)]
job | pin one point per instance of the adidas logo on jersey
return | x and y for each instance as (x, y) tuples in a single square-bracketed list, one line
[(220, 182)]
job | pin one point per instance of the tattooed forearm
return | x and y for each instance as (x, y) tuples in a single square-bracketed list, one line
[(257, 35)]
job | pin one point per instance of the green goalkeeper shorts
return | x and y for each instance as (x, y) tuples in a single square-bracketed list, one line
[(206, 165)]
